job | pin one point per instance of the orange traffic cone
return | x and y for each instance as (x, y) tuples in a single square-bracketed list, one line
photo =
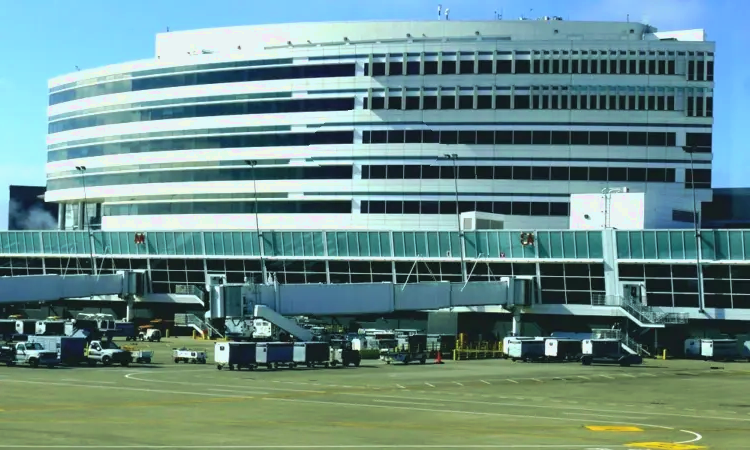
[(439, 358)]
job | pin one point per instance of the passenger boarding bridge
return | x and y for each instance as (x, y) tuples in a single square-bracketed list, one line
[(649, 276)]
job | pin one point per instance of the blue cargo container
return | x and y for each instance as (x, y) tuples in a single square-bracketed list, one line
[(275, 354), (124, 329), (235, 354)]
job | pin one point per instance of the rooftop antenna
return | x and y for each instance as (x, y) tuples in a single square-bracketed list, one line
[(440, 8), (447, 12), (628, 17)]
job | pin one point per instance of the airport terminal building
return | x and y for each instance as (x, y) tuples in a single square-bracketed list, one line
[(371, 157)]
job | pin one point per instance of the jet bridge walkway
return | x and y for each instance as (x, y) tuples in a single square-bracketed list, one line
[(42, 288)]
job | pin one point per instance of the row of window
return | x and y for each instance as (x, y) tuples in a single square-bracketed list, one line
[(203, 78), (235, 207), (450, 207), (702, 178), (207, 110), (204, 143), (541, 173), (546, 100), (508, 137), (205, 175), (566, 66)]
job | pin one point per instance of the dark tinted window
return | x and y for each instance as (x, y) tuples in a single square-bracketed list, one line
[(201, 78), (263, 207), (206, 175), (209, 142), (206, 110)]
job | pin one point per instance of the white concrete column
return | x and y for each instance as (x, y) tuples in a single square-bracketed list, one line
[(516, 329), (129, 308)]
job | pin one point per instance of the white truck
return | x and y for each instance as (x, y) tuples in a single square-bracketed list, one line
[(30, 353), (107, 353), (189, 356)]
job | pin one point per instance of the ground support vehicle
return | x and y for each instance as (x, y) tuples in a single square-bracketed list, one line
[(237, 355), (312, 354), (414, 349), (189, 356), (71, 351), (607, 351), (32, 354), (107, 353), (272, 355), (139, 356)]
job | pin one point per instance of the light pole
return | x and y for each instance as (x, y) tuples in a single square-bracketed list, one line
[(698, 250), (252, 163), (454, 157), (85, 219)]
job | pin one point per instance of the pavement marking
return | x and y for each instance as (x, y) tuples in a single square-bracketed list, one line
[(627, 375), (408, 402), (236, 390), (537, 380), (664, 446), (400, 387), (697, 437), (512, 381), (430, 385), (87, 381), (607, 376), (443, 411), (560, 407), (132, 376), (585, 378), (121, 388), (647, 374), (201, 447), (456, 382), (485, 382), (618, 429)]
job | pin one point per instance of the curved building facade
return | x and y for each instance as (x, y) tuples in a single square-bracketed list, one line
[(383, 126)]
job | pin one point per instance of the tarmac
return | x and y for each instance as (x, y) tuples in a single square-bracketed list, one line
[(672, 405)]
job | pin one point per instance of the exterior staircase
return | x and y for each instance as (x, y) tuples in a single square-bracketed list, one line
[(642, 315), (628, 344), (196, 323)]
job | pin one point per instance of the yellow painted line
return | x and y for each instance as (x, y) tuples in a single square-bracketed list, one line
[(615, 428), (665, 446)]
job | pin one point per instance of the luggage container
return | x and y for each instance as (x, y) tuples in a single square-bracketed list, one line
[(720, 349), (559, 349), (237, 355), (506, 341), (71, 351), (7, 327), (606, 351), (50, 328), (746, 350), (525, 349), (26, 326), (311, 354), (274, 354)]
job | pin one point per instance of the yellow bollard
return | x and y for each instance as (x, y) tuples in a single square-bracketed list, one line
[(194, 333), (166, 332), (664, 354)]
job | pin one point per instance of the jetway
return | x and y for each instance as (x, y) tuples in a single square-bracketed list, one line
[(42, 288), (374, 298)]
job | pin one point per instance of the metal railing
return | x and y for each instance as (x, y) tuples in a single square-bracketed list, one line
[(191, 320), (189, 289), (639, 349), (643, 313)]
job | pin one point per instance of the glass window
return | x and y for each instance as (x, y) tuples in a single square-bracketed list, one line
[(215, 77), (204, 110), (244, 207)]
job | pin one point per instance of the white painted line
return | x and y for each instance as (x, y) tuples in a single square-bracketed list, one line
[(408, 402), (120, 388), (132, 376), (647, 374), (400, 387), (87, 381), (237, 391), (485, 382), (627, 375), (443, 411), (697, 437), (585, 378), (537, 380), (591, 414), (430, 385), (456, 382), (607, 376), (512, 381), (548, 406)]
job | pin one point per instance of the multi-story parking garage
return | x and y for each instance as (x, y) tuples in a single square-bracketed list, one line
[(382, 126)]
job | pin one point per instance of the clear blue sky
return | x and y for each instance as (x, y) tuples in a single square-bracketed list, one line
[(39, 40)]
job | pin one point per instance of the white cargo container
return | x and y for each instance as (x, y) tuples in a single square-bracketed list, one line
[(746, 350), (506, 342), (525, 349), (719, 349), (558, 349), (606, 351)]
